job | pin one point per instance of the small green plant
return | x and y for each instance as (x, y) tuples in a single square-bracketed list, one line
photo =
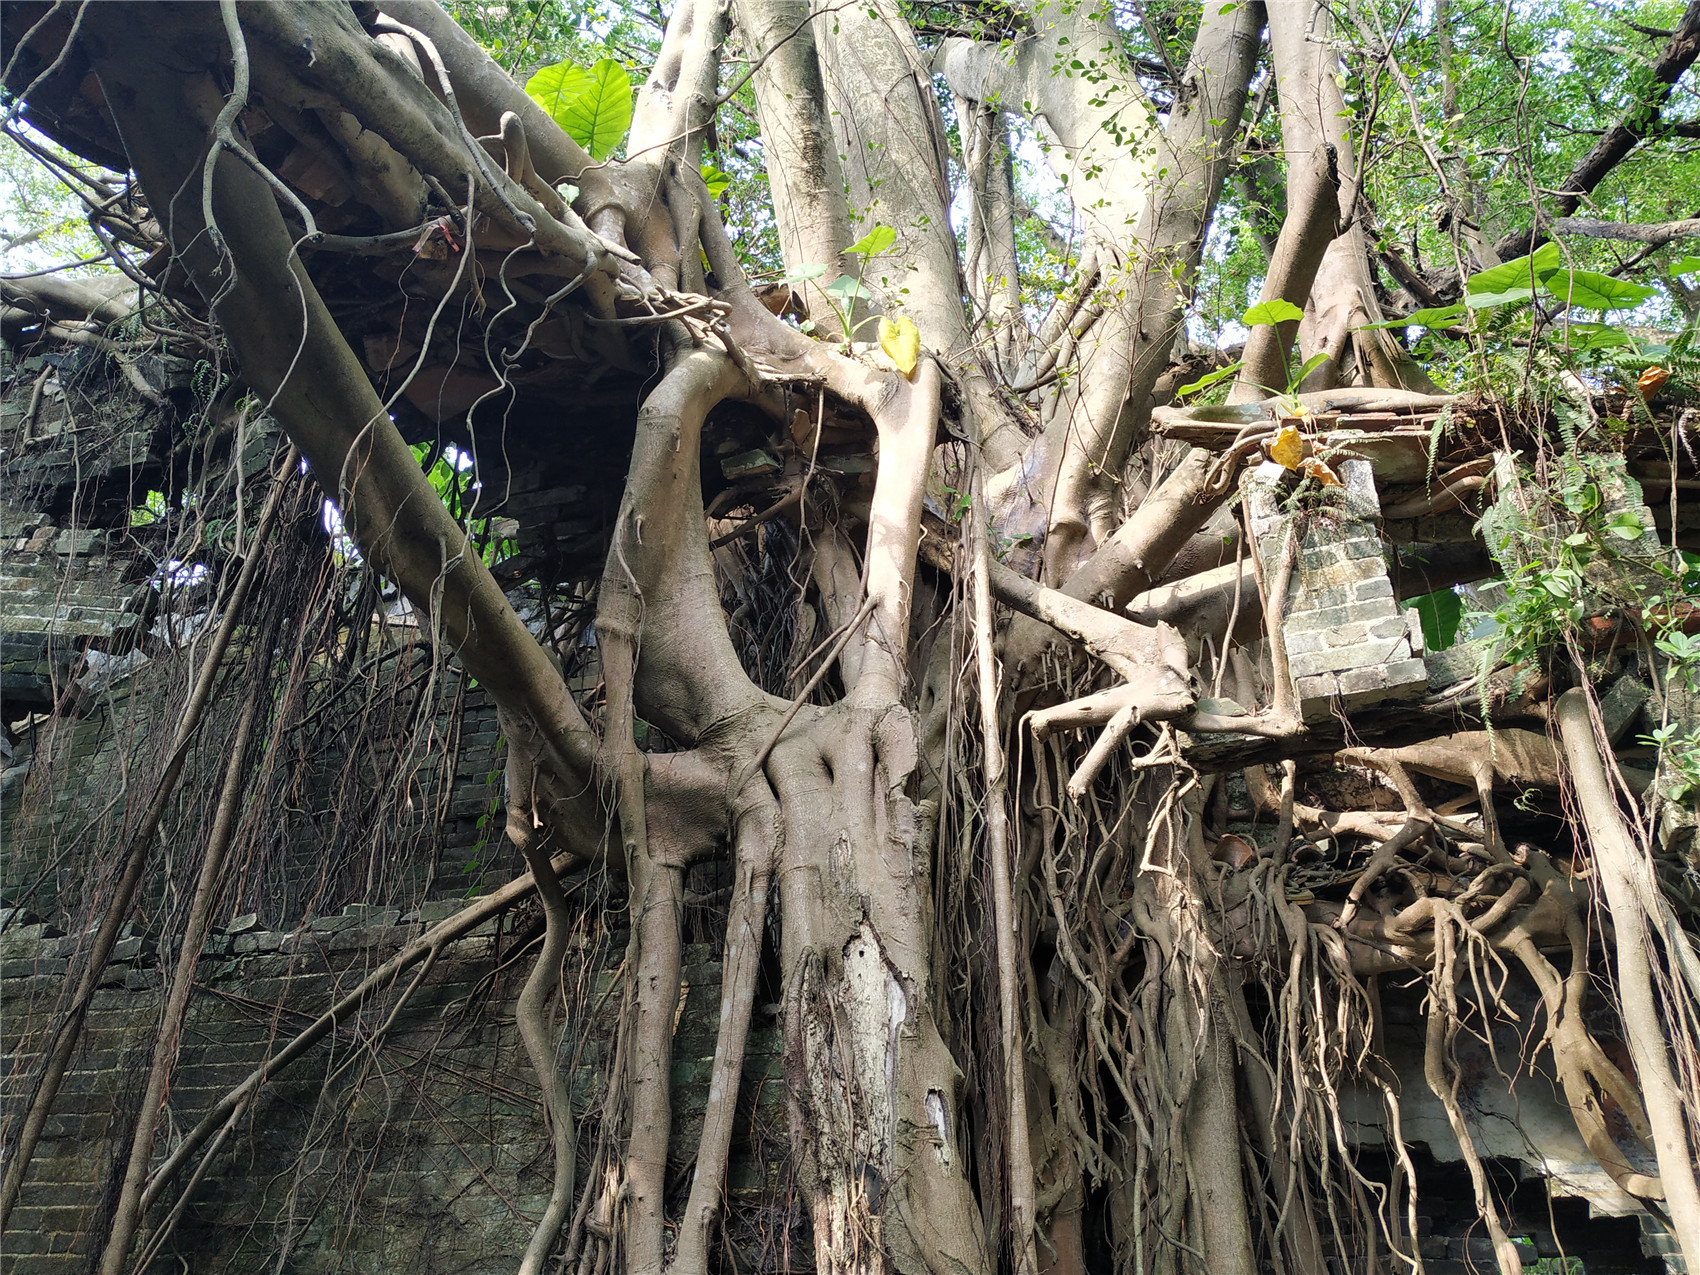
[(844, 292), (1683, 652), (1007, 545), (959, 504), (1266, 314), (1679, 757)]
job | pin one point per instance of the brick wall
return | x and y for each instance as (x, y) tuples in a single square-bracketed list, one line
[(1348, 643), (425, 1153)]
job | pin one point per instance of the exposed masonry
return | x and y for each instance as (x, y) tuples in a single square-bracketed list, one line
[(54, 797), (438, 1161), (1348, 644), (426, 1154), (60, 593)]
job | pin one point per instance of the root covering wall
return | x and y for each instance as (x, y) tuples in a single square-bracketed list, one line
[(420, 1153)]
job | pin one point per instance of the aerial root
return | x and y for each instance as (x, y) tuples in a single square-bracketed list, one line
[(531, 1013), (759, 832)]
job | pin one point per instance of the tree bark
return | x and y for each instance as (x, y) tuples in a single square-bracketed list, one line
[(1313, 116), (1627, 879)]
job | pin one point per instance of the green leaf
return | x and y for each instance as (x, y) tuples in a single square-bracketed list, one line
[(593, 104), (847, 288), (879, 239), (1594, 291), (1596, 336), (1519, 273), (1210, 378), (804, 274), (1438, 316), (1688, 265), (1486, 300), (715, 180), (1625, 526), (1269, 313), (1441, 613), (1310, 365)]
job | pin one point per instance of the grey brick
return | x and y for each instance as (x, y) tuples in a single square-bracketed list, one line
[(1325, 619), (1373, 587), (1321, 599), (1339, 660), (1392, 626), (1343, 635), (1300, 643)]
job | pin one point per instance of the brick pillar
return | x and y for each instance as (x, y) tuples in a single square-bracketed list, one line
[(1348, 644)]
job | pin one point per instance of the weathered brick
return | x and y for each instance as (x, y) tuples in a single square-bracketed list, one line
[(1373, 587), (1334, 660), (1392, 626)]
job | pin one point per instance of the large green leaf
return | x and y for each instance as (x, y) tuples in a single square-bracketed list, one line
[(1594, 291), (1486, 300), (879, 239), (1516, 274), (1440, 613), (1438, 316), (1594, 336), (1269, 313), (593, 104)]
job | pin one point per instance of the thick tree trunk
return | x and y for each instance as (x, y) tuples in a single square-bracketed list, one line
[(1104, 409), (1342, 297), (798, 146)]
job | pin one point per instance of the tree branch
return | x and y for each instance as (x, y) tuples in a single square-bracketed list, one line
[(1623, 137), (1654, 234)]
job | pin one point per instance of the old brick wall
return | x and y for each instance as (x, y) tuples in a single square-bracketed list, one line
[(65, 796), (424, 1152)]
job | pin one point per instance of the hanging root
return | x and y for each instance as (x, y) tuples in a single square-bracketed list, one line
[(1630, 890), (1451, 929), (760, 830), (135, 858), (531, 1013)]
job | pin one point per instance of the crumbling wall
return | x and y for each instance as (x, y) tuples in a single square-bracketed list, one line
[(421, 1152), (63, 795)]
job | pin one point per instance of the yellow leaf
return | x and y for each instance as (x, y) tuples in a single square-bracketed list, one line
[(1288, 448), (901, 340), (1652, 380), (1319, 470)]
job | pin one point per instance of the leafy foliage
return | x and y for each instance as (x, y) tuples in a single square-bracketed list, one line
[(593, 104)]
